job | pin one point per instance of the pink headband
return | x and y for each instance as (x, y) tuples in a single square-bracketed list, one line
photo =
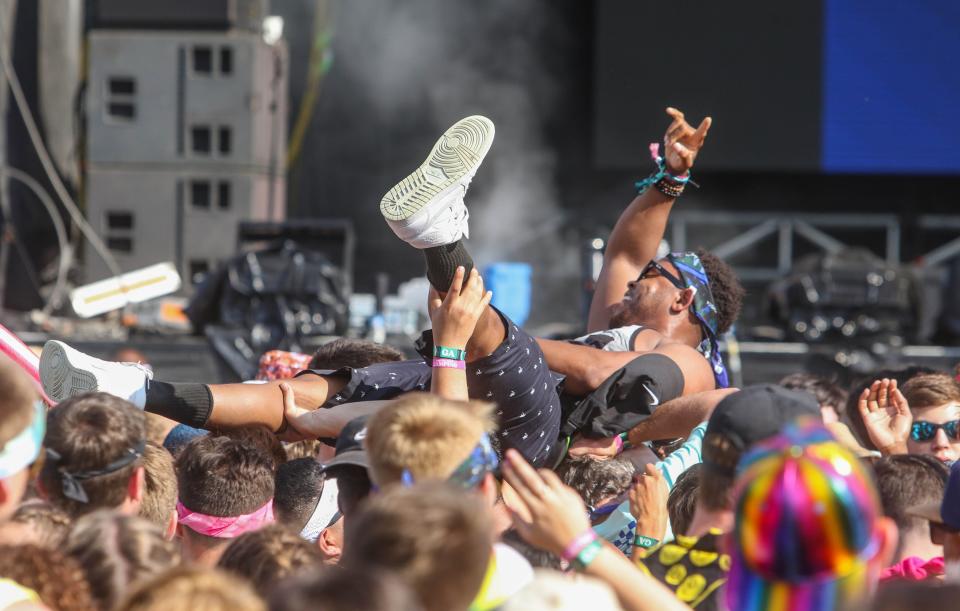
[(225, 528)]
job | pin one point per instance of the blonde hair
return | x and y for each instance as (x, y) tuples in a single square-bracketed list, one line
[(16, 400), (931, 390), (193, 588), (425, 435), (160, 486)]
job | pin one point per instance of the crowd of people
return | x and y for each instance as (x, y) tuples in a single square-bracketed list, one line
[(618, 470)]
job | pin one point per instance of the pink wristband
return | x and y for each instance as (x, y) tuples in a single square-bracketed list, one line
[(578, 545), (618, 441), (449, 364)]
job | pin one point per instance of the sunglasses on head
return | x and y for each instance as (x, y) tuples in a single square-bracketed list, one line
[(653, 265), (595, 513), (925, 431)]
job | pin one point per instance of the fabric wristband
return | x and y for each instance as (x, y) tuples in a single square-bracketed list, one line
[(455, 354), (645, 542), (439, 363), (577, 545), (588, 554)]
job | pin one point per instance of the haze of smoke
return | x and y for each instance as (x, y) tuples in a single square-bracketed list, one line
[(461, 58)]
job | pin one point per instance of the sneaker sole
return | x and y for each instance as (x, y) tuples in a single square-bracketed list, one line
[(60, 379), (459, 151)]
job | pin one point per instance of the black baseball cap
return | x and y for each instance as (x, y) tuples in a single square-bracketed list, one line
[(749, 416), (349, 448)]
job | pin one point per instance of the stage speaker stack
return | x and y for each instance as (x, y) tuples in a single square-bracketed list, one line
[(186, 113)]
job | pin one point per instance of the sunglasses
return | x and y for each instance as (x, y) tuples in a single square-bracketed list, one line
[(654, 266), (595, 513), (925, 431)]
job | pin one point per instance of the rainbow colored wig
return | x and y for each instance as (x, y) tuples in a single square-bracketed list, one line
[(804, 529)]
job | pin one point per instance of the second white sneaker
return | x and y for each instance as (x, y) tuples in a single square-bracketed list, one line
[(426, 208), (66, 372)]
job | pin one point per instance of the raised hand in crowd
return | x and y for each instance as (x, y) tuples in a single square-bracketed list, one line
[(454, 319), (886, 416), (648, 505), (682, 142), (551, 516)]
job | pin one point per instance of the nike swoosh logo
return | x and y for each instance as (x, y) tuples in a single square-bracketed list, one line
[(654, 400)]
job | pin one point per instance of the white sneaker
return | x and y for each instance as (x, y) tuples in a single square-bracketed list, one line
[(66, 372), (426, 208)]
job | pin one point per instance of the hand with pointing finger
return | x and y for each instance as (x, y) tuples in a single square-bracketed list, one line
[(682, 142)]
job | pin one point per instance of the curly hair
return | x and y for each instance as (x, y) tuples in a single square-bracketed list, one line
[(726, 289), (57, 579), (267, 555)]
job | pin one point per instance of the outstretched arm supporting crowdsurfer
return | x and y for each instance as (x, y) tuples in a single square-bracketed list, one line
[(637, 233)]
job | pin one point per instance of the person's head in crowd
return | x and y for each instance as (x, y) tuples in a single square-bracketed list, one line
[(832, 398), (809, 532), (191, 587), (56, 578), (355, 353), (421, 437), (309, 448), (226, 489), (852, 412), (95, 444), (127, 354), (261, 437), (656, 299), (36, 522), (553, 591), (905, 481), (603, 485), (682, 501), (268, 555), (22, 426), (305, 500), (350, 466), (537, 557), (739, 421), (117, 552), (935, 404), (343, 589), (432, 535), (159, 505), (943, 515)]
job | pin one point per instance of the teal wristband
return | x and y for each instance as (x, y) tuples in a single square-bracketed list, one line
[(442, 352), (588, 554), (645, 542)]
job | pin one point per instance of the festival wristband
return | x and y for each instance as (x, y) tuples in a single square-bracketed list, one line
[(578, 545), (439, 363), (618, 444), (455, 354), (588, 554), (645, 542)]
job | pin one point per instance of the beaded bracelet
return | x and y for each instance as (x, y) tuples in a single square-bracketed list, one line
[(442, 352), (588, 555), (668, 184)]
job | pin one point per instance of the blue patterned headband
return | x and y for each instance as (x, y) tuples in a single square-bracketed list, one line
[(21, 451), (694, 275), (468, 474)]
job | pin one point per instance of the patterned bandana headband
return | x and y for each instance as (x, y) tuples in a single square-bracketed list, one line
[(72, 481), (804, 524), (225, 527), (21, 451), (468, 474), (695, 277)]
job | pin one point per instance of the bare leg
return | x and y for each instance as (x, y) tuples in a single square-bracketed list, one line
[(250, 404)]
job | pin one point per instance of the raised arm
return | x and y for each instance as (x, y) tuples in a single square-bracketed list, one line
[(637, 234)]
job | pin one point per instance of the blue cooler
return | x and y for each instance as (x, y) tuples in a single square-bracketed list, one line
[(510, 283)]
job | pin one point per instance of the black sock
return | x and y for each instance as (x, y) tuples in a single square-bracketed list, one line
[(187, 403), (443, 261)]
